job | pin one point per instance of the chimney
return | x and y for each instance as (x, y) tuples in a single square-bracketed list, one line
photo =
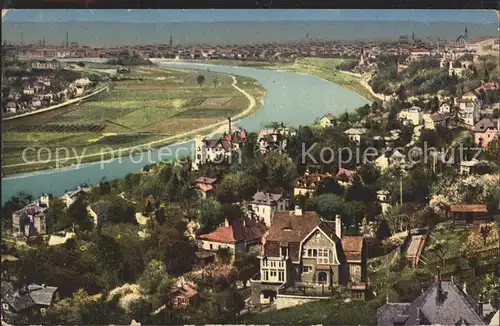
[(226, 223), (298, 210), (338, 226)]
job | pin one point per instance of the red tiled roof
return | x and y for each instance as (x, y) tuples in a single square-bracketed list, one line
[(205, 187), (353, 247), (236, 232), (419, 50), (474, 208)]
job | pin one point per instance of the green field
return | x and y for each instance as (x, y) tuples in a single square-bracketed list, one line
[(149, 104)]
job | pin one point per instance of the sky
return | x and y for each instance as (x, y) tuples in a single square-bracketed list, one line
[(214, 15)]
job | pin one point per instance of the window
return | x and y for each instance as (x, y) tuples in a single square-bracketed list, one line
[(5, 306), (266, 275), (264, 262), (284, 251), (315, 252), (306, 269), (281, 276), (273, 273), (211, 246)]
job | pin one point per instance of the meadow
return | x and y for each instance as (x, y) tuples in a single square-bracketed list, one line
[(148, 104)]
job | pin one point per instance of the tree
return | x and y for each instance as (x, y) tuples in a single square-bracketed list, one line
[(208, 215), (484, 231), (55, 213), (328, 205), (383, 231), (200, 80), (78, 215), (279, 170), (248, 264), (329, 186), (121, 211), (224, 255), (154, 276), (235, 187)]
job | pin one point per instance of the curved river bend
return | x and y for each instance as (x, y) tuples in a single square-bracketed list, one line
[(295, 99)]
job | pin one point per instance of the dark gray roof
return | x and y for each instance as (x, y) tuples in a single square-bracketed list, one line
[(101, 208), (206, 180), (389, 311), (451, 307), (266, 198), (30, 296)]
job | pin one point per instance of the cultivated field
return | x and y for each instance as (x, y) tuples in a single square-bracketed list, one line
[(146, 105)]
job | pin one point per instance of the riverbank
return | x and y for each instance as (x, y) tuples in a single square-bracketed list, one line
[(324, 68), (211, 129)]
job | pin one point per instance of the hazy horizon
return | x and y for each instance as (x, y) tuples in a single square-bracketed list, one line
[(116, 34), (141, 27)]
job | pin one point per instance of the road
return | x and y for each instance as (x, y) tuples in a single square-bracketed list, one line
[(221, 127), (58, 106)]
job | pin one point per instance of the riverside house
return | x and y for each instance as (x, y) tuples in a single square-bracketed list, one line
[(30, 220), (303, 252)]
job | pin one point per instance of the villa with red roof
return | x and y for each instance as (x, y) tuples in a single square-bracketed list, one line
[(238, 236)]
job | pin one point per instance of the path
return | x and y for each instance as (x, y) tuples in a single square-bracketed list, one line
[(60, 105), (219, 125), (365, 84)]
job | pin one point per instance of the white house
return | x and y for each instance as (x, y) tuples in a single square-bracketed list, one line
[(356, 134), (413, 115), (384, 200), (466, 167), (444, 108), (432, 120), (328, 121), (216, 150), (273, 139), (469, 111), (265, 204), (71, 196), (29, 91)]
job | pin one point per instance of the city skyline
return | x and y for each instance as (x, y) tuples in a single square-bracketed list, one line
[(231, 15)]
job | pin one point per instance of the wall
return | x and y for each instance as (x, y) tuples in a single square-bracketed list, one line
[(205, 244), (286, 301)]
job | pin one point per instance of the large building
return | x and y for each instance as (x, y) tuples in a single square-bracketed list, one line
[(302, 249), (217, 150)]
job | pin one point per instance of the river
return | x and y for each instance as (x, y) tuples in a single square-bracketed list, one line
[(292, 98)]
